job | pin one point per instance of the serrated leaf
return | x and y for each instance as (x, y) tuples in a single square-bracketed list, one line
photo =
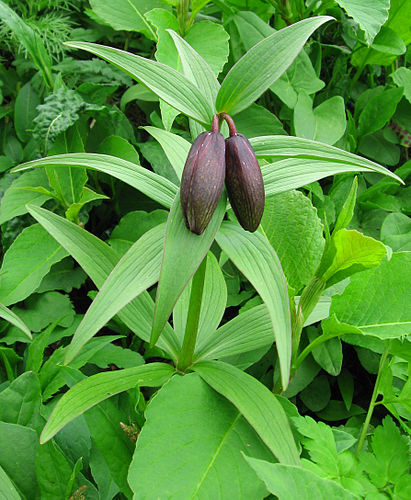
[(246, 80), (149, 183), (256, 403), (256, 259), (96, 388), (294, 230), (370, 16), (208, 435), (136, 271), (167, 83), (288, 481)]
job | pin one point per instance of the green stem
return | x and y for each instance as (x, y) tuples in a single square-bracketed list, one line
[(185, 357), (374, 396)]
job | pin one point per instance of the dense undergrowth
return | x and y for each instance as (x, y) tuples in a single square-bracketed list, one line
[(139, 360)]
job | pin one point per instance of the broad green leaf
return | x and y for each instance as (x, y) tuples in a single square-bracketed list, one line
[(256, 403), (396, 232), (257, 121), (149, 183), (197, 448), (20, 401), (375, 301), (247, 80), (213, 304), (378, 111), (115, 145), (294, 230), (20, 193), (369, 15), (349, 252), (400, 12), (132, 227), (21, 444), (248, 331), (126, 15), (323, 158), (53, 471), (402, 78), (63, 276), (317, 395), (136, 271), (196, 69), (7, 488), (328, 355), (330, 120), (289, 481), (30, 40), (26, 262), (25, 110), (175, 147), (12, 318), (167, 83), (96, 388), (98, 259), (183, 253), (256, 259)]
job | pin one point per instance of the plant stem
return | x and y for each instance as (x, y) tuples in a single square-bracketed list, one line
[(190, 336), (374, 396), (230, 123)]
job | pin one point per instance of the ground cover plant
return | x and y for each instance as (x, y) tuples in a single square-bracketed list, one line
[(187, 335)]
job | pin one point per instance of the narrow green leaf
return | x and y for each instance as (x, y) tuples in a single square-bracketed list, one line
[(183, 253), (347, 211), (213, 303), (174, 146), (98, 259), (263, 64), (288, 481), (256, 403), (136, 271), (328, 160), (30, 40), (167, 83), (248, 331), (12, 318), (196, 69), (154, 186), (96, 388), (7, 488), (257, 260)]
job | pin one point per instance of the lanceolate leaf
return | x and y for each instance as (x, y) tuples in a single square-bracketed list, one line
[(196, 69), (175, 147), (293, 173), (183, 253), (98, 387), (153, 185), (248, 331), (98, 259), (7, 488), (326, 158), (12, 318), (135, 272), (256, 403), (257, 260), (260, 67), (167, 83)]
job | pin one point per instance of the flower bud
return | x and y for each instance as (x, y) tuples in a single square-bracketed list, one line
[(244, 182), (202, 181)]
